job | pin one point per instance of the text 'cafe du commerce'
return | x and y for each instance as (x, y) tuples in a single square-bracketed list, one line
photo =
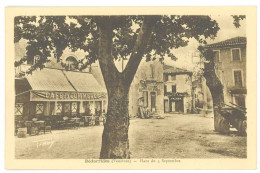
[(54, 94)]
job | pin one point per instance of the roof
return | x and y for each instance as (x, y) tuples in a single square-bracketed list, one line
[(174, 70), (49, 79), (84, 82), (229, 42)]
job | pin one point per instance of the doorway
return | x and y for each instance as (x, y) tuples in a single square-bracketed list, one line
[(166, 106), (153, 101), (179, 106)]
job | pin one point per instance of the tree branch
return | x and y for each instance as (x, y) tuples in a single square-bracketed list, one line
[(139, 48), (106, 60)]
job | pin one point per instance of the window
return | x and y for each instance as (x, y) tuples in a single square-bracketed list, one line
[(39, 109), (240, 101), (236, 56), (165, 77), (216, 55), (59, 108), (74, 107), (19, 109), (238, 78), (66, 108), (71, 62), (145, 93), (173, 88), (165, 89), (87, 107), (173, 77)]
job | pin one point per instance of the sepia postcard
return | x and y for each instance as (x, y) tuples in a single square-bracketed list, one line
[(130, 87)]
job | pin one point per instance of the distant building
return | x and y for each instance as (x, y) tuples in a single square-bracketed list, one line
[(160, 88), (230, 66), (177, 89), (146, 90)]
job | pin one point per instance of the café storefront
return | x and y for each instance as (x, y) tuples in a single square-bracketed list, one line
[(52, 94), (174, 102)]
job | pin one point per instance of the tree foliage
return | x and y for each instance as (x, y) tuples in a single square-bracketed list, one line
[(50, 35), (237, 19)]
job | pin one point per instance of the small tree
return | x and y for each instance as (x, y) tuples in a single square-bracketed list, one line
[(106, 39)]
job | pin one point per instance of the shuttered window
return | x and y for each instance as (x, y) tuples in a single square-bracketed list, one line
[(238, 78), (165, 76), (236, 55), (173, 88), (59, 108), (39, 108), (19, 109), (74, 107)]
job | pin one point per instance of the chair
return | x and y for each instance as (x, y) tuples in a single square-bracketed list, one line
[(41, 126), (48, 126), (28, 125), (34, 131)]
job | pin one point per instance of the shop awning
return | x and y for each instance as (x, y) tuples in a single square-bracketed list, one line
[(58, 85), (49, 80), (84, 82)]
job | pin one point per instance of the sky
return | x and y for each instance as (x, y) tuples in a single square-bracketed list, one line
[(227, 30)]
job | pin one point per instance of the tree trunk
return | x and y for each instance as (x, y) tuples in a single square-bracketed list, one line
[(115, 144), (216, 89)]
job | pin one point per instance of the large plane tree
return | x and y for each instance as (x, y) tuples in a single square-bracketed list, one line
[(106, 39)]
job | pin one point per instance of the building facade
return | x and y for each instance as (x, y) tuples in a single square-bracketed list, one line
[(59, 93), (59, 89), (160, 88), (177, 89), (230, 66), (146, 91)]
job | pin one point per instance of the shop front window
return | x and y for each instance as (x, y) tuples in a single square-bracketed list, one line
[(98, 108), (59, 108), (67, 108), (19, 109), (87, 108), (39, 108), (74, 107)]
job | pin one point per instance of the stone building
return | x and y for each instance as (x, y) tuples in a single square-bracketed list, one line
[(160, 88), (177, 89), (146, 90), (230, 66)]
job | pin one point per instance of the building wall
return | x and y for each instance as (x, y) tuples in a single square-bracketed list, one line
[(149, 77), (225, 69), (183, 85)]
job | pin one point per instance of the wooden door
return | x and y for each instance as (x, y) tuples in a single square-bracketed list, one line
[(179, 106)]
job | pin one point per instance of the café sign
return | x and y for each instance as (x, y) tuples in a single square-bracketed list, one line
[(176, 98), (58, 95)]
